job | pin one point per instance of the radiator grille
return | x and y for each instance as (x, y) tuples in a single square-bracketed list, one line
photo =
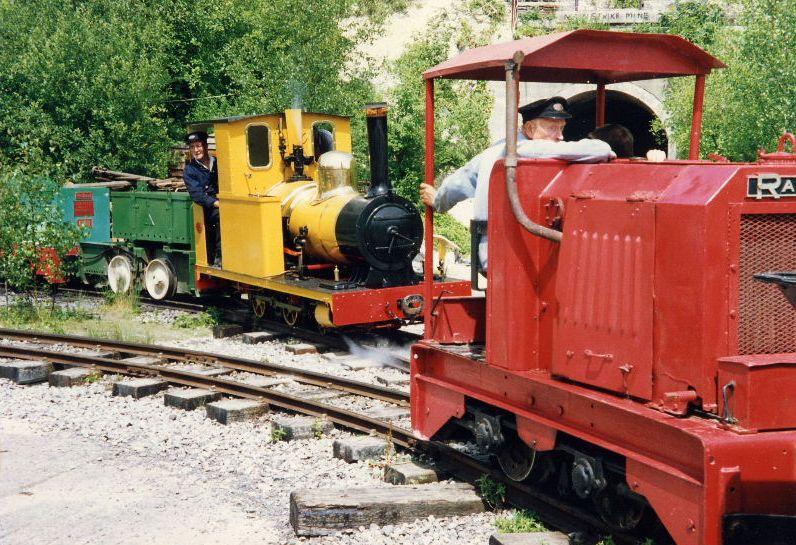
[(767, 320)]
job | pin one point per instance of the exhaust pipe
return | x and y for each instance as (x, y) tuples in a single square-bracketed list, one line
[(377, 146)]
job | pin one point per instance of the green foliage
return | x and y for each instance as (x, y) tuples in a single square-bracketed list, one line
[(750, 103), (114, 83), (33, 234), (29, 314), (126, 303), (278, 434), (695, 20), (193, 321), (626, 4), (491, 491), (519, 522), (450, 228), (462, 107)]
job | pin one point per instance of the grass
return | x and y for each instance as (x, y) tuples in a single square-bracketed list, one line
[(28, 314), (519, 522), (491, 491), (208, 318), (116, 319), (278, 434)]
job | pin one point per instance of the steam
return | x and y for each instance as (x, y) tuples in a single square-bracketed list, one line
[(381, 356)]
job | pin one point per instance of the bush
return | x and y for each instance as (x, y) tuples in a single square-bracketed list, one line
[(33, 234)]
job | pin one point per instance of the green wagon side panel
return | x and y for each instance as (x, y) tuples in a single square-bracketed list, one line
[(152, 216)]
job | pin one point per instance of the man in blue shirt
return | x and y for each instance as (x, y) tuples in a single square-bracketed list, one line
[(201, 179), (541, 137)]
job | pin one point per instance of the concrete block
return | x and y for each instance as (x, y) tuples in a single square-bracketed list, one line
[(139, 387), (235, 410), (257, 337), (531, 538), (359, 449), (226, 330), (411, 473), (393, 381), (143, 360), (213, 371), (101, 354), (302, 348), (267, 382), (70, 377), (290, 428), (189, 398), (25, 371), (326, 511), (319, 395), (355, 363), (336, 357), (389, 413)]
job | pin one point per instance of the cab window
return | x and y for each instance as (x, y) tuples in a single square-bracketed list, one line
[(322, 138), (258, 138)]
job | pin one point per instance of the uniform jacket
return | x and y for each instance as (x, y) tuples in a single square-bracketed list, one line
[(202, 183)]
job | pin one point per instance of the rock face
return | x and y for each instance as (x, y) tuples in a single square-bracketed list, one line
[(320, 512)]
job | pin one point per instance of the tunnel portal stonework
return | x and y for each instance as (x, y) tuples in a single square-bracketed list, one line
[(634, 105)]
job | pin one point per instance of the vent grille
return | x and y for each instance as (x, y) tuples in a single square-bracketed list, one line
[(767, 320)]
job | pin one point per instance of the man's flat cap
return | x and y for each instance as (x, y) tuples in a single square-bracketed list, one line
[(549, 108), (196, 136)]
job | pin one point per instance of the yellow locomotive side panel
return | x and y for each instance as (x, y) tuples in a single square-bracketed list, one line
[(200, 240), (341, 133), (251, 235)]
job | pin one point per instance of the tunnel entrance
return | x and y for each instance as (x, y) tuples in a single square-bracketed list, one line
[(619, 108)]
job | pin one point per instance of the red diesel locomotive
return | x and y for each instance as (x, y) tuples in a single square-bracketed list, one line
[(635, 350)]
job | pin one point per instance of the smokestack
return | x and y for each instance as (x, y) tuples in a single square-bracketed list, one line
[(377, 144)]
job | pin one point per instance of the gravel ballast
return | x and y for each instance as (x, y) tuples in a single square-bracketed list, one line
[(231, 474)]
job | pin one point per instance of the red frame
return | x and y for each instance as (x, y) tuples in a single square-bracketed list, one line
[(691, 470)]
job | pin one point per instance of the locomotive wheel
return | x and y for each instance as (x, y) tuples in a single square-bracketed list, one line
[(120, 274), (619, 511), (259, 307), (516, 459), (160, 280), (291, 317)]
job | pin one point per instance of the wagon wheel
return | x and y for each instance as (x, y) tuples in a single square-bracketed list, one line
[(121, 275), (290, 316), (516, 459), (259, 307), (619, 511)]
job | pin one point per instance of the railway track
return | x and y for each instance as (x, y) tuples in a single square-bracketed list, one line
[(555, 512), (234, 311)]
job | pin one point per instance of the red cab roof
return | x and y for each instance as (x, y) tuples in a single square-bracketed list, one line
[(583, 56)]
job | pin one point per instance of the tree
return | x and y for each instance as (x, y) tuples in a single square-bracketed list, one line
[(114, 83), (33, 235), (751, 102)]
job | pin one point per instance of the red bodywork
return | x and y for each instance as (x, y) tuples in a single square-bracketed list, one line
[(646, 310)]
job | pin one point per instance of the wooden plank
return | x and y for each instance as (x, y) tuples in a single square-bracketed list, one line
[(532, 538), (320, 512)]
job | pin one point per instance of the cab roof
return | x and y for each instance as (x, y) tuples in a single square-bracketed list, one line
[(583, 56)]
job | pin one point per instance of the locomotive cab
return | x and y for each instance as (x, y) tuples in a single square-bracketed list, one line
[(625, 356)]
